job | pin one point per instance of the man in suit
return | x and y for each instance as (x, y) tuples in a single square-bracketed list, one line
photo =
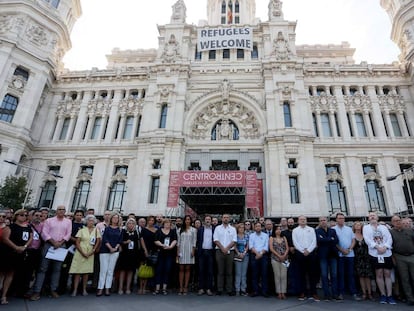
[(205, 250)]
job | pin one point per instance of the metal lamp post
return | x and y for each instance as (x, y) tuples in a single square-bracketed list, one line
[(405, 173), (32, 178)]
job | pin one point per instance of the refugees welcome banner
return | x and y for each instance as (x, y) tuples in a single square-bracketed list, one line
[(225, 38)]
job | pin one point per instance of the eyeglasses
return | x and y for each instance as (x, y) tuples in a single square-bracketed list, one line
[(2, 216)]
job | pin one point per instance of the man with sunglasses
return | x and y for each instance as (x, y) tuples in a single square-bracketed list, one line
[(56, 232)]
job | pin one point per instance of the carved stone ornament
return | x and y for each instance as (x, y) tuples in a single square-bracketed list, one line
[(334, 176), (118, 177), (357, 102), (18, 83), (6, 23), (68, 107), (84, 177), (37, 34), (171, 51), (99, 107), (392, 102), (281, 49), (323, 103), (179, 12), (225, 89), (243, 117), (275, 9), (131, 106), (372, 176)]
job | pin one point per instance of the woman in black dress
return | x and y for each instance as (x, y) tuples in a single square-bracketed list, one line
[(363, 268), (129, 256), (148, 235), (16, 237)]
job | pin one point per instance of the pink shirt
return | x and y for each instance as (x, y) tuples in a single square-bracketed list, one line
[(57, 229)]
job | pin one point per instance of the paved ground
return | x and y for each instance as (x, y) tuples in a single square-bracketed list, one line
[(174, 302)]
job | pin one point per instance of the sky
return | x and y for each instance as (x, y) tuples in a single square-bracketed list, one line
[(132, 24)]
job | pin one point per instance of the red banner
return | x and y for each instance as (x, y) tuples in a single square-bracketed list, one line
[(251, 189), (260, 196)]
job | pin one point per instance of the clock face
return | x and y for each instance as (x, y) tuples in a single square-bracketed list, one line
[(17, 83)]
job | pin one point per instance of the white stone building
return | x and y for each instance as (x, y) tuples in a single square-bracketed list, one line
[(321, 132)]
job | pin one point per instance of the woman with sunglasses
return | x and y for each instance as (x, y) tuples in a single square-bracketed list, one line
[(16, 237)]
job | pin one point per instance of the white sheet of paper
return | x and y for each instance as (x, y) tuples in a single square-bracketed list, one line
[(58, 254)]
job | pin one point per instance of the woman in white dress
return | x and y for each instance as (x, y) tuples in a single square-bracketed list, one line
[(186, 243)]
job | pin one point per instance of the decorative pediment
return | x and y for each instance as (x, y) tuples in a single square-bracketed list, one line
[(118, 177), (243, 117), (99, 107), (131, 106), (84, 177), (371, 176), (334, 176)]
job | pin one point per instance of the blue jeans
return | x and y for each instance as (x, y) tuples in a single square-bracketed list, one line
[(329, 266), (240, 268), (259, 271), (346, 273), (163, 269)]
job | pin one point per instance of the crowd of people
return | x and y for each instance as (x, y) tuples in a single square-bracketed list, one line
[(365, 261)]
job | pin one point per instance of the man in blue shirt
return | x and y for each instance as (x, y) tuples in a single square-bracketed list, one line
[(259, 248)]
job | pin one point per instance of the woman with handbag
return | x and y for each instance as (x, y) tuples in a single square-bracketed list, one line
[(148, 239), (17, 237), (87, 241), (111, 244), (165, 240)]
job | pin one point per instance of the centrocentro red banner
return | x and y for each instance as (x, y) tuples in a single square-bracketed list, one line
[(245, 179)]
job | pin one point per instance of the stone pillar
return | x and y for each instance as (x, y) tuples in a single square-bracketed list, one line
[(367, 122), (58, 128), (71, 128)]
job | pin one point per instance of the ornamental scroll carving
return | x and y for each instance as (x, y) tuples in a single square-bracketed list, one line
[(99, 107), (37, 34), (68, 108), (357, 102), (243, 117), (323, 103), (131, 106), (6, 23), (391, 102)]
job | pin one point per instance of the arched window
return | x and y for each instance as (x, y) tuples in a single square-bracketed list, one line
[(47, 195), (19, 71), (223, 7), (8, 108), (335, 192), (225, 129), (129, 125), (373, 189)]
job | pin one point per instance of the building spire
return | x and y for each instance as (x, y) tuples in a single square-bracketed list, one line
[(179, 11), (275, 10)]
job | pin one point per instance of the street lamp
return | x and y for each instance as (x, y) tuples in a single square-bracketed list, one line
[(31, 179), (406, 178)]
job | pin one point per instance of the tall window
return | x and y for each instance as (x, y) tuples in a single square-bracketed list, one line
[(326, 126), (395, 125), (65, 129), (286, 114), (335, 192), (155, 186), (226, 54), (373, 190), (47, 195), (8, 108), (315, 125), (408, 187), (129, 125), (294, 189), (360, 124), (212, 54), (163, 117), (240, 54), (96, 128), (81, 195), (138, 126), (197, 55), (118, 188), (255, 52)]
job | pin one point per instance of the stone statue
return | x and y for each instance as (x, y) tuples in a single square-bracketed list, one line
[(171, 50), (275, 10), (179, 12)]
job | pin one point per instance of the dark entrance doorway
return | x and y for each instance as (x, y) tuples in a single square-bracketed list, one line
[(214, 200)]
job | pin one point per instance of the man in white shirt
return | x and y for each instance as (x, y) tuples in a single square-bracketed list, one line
[(225, 237), (304, 240), (259, 249)]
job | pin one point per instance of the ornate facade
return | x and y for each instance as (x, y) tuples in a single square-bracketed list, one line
[(321, 132)]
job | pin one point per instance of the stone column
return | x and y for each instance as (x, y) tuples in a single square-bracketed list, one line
[(71, 128), (367, 122), (58, 128)]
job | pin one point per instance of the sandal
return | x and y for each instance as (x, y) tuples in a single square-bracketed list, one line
[(157, 292), (164, 292), (4, 301)]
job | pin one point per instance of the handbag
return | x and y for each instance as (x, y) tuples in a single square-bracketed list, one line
[(145, 272), (152, 258)]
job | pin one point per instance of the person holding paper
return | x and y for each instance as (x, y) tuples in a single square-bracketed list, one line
[(87, 240), (56, 232), (186, 245)]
